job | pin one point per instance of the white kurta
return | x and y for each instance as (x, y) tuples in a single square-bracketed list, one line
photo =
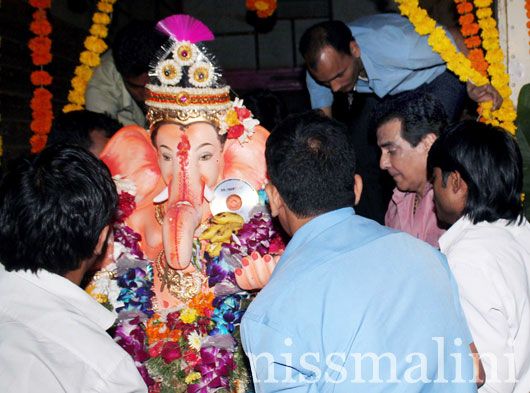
[(53, 339), (491, 264)]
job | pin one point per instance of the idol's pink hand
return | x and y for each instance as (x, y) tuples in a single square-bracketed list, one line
[(255, 271)]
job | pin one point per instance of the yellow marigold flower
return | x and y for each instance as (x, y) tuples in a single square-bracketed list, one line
[(105, 7), (89, 58), (84, 72), (484, 13), (188, 315), (76, 97), (79, 84), (482, 3), (101, 18), (95, 44), (98, 30), (192, 377), (108, 1), (72, 107)]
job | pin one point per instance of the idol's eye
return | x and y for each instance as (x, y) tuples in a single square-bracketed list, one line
[(205, 156)]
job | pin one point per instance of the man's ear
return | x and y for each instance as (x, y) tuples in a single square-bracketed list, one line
[(457, 184), (428, 140), (102, 239), (354, 49), (358, 188), (275, 200)]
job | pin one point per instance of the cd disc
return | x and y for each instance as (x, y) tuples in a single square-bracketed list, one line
[(234, 196)]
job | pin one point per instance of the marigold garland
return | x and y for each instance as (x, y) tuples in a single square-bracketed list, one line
[(505, 115), (90, 58), (41, 102), (469, 29), (461, 65), (263, 8)]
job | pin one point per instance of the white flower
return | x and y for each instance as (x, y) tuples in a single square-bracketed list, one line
[(195, 340)]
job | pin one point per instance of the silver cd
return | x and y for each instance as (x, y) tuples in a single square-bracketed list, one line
[(234, 196)]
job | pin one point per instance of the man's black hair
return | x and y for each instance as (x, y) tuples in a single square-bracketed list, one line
[(489, 161), (75, 127), (419, 113), (332, 33), (53, 208), (135, 46), (311, 163)]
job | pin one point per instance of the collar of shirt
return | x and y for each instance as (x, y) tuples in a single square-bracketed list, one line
[(311, 230), (399, 196), (456, 231), (68, 292)]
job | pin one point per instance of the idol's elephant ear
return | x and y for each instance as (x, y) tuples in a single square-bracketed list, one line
[(130, 154), (246, 160)]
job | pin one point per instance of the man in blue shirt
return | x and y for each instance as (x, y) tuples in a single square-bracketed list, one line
[(352, 306), (380, 54)]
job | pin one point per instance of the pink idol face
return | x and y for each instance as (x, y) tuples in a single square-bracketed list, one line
[(194, 146)]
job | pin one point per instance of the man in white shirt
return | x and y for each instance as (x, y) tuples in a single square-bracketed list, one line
[(55, 216), (477, 180)]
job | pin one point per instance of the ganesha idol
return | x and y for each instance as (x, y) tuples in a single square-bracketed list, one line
[(176, 268)]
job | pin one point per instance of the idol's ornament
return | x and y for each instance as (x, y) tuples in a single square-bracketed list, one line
[(172, 278)]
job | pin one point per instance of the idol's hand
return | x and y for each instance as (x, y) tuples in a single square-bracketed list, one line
[(255, 271)]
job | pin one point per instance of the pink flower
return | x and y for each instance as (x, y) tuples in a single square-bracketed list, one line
[(191, 358), (126, 206), (155, 350), (170, 352), (236, 131), (242, 113)]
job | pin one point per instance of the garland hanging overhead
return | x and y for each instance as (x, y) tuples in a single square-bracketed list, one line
[(461, 65), (41, 102), (90, 58)]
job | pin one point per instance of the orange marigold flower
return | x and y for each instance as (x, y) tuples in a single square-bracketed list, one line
[(470, 29), (464, 7), (40, 78), (203, 303), (37, 143), (40, 44), (473, 41), (466, 19), (40, 27), (263, 8), (40, 3), (41, 58), (476, 54)]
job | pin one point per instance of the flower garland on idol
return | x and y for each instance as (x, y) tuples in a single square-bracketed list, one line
[(90, 58), (193, 348), (41, 102), (461, 65)]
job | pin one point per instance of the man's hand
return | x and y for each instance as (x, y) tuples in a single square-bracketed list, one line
[(484, 93)]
